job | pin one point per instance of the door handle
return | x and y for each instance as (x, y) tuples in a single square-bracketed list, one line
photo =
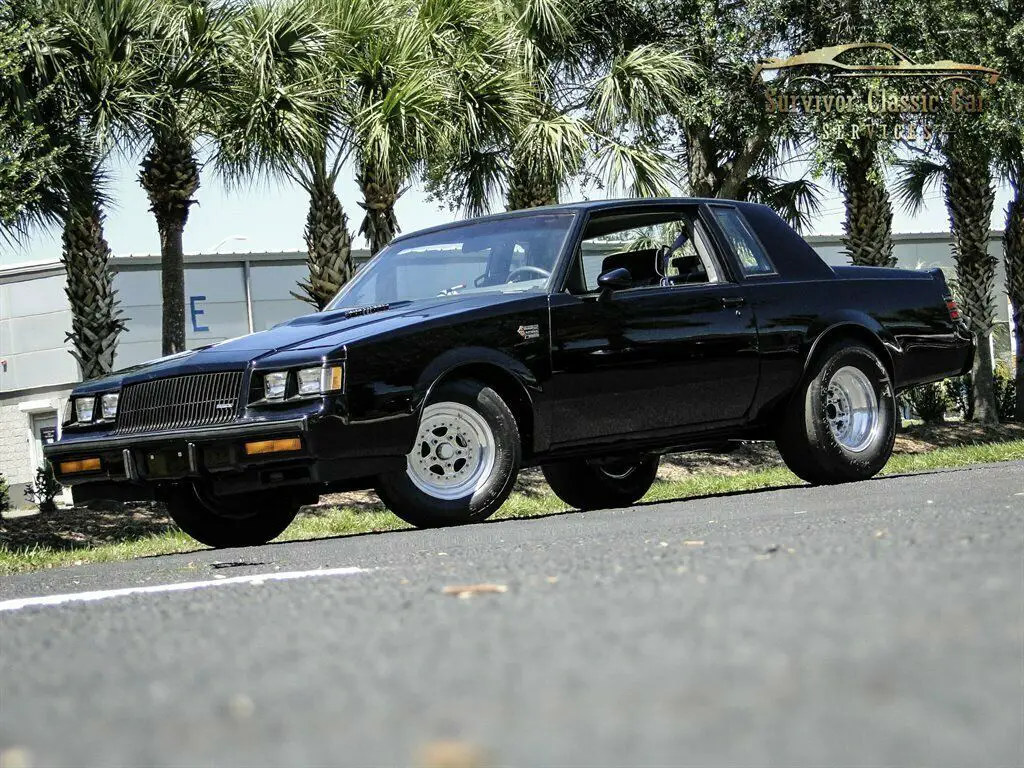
[(729, 302)]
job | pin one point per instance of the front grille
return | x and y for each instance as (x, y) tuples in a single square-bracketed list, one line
[(199, 400)]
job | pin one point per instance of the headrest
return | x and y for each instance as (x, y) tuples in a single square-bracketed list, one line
[(689, 263), (642, 265)]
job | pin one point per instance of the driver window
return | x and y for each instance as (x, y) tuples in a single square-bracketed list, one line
[(658, 249)]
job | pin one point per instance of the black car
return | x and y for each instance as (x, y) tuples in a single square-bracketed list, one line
[(588, 339)]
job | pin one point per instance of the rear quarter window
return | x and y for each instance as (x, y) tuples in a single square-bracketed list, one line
[(748, 249)]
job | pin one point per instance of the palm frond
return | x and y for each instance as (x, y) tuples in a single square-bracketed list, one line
[(915, 178), (555, 145), (798, 201), (641, 87), (636, 170)]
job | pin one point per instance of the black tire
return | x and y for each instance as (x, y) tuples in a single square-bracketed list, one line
[(430, 492), (811, 447), (243, 520), (584, 484)]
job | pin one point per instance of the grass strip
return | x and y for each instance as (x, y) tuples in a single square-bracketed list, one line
[(345, 522)]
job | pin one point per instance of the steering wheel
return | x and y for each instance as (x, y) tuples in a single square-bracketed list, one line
[(539, 272)]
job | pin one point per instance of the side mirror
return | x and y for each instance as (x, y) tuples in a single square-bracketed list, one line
[(614, 280)]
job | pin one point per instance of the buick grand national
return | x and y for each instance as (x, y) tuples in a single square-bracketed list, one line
[(588, 339)]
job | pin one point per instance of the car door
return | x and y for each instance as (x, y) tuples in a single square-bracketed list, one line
[(651, 360)]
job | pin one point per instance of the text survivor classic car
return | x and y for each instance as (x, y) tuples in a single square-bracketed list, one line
[(588, 339)]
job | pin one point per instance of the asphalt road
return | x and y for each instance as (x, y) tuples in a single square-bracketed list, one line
[(874, 624)]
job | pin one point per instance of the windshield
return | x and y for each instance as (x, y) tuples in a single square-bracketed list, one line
[(498, 256)]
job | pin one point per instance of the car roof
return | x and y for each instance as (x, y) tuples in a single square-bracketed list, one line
[(586, 206)]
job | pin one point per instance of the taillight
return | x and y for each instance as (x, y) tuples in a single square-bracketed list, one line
[(953, 308)]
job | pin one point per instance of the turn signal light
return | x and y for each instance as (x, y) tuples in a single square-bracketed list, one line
[(273, 446), (953, 308), (82, 465)]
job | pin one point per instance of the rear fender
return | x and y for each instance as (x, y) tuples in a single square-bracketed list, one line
[(857, 325)]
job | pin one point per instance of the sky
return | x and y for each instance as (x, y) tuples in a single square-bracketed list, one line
[(271, 217)]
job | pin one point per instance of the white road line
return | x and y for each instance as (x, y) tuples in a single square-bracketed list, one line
[(103, 594)]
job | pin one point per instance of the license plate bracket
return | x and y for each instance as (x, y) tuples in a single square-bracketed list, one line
[(167, 462)]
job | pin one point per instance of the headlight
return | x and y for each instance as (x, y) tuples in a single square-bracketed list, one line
[(309, 381), (274, 385), (83, 409), (317, 381), (108, 405)]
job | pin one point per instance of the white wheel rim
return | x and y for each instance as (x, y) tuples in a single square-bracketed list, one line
[(851, 409), (453, 456)]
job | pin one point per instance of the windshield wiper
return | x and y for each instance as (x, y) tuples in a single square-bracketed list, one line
[(453, 291)]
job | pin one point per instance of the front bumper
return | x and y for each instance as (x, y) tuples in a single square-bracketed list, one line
[(217, 456)]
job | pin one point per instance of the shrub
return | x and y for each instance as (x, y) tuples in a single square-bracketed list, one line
[(960, 391), (5, 494), (929, 401), (1006, 392), (45, 489)]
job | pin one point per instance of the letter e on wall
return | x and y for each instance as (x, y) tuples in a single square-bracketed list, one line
[(196, 312)]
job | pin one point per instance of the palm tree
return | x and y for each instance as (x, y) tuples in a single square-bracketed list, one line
[(594, 92), (75, 190), (30, 150), (285, 115), (183, 73), (439, 84), (1010, 162), (1013, 256), (965, 172), (867, 228), (96, 321), (154, 69)]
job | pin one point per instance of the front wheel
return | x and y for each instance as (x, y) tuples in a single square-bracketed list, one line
[(464, 462), (841, 424), (242, 520), (586, 484)]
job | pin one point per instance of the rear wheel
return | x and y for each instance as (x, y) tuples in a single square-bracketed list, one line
[(464, 462), (841, 424), (588, 484), (241, 520)]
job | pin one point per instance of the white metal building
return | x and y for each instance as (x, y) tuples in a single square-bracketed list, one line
[(226, 295)]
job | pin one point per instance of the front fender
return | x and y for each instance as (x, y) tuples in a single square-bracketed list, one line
[(511, 378), (451, 360)]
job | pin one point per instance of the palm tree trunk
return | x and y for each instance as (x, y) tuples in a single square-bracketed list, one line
[(868, 225), (170, 176), (380, 194), (970, 197), (1013, 255), (95, 318), (530, 190), (328, 244)]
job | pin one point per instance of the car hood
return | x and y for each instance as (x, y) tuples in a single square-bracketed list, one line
[(316, 334)]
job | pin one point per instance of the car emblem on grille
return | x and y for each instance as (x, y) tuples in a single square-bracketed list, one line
[(224, 406)]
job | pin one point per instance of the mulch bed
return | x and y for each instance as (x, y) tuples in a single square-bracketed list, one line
[(111, 522)]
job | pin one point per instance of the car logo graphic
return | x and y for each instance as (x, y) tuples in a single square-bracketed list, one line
[(529, 331), (224, 406), (900, 66)]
